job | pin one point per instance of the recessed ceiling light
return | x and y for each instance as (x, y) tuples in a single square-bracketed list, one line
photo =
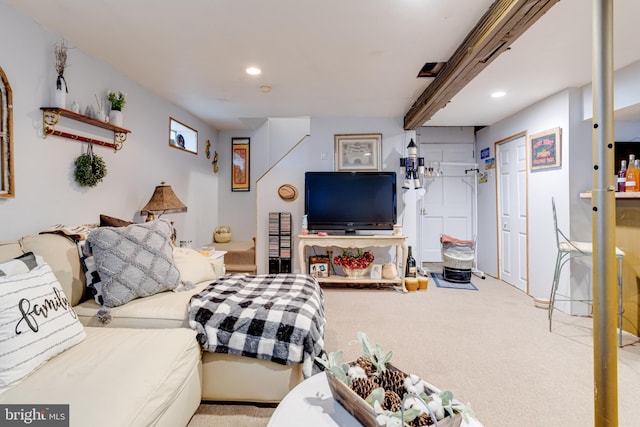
[(498, 94), (253, 71)]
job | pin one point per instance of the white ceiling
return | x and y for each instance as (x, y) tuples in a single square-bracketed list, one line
[(330, 57)]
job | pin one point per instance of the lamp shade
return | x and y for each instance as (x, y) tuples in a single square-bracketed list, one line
[(163, 200)]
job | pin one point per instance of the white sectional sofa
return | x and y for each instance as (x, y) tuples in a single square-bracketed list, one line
[(145, 366), (120, 377)]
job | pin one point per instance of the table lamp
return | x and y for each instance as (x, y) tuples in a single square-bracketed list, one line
[(163, 201)]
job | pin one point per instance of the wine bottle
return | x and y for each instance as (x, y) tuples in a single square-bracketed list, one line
[(632, 174), (411, 269), (622, 176)]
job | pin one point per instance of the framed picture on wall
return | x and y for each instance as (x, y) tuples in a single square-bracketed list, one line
[(240, 164), (545, 149), (358, 152), (182, 136)]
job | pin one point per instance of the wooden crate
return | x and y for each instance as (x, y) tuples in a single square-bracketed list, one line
[(363, 412)]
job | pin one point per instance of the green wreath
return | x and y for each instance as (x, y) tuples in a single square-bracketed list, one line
[(90, 169)]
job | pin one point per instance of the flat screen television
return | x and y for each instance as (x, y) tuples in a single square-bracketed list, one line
[(350, 201)]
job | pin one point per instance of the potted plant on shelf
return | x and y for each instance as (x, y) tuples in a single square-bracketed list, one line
[(117, 100)]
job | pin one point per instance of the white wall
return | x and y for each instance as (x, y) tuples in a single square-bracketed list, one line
[(566, 110), (547, 114), (238, 209), (316, 153), (626, 90), (283, 133), (46, 192)]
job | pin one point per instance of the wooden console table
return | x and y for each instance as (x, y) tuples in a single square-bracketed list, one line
[(357, 241)]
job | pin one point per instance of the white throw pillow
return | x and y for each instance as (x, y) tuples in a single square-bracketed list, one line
[(22, 264), (193, 266), (36, 323)]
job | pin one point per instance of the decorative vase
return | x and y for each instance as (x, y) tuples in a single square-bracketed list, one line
[(60, 93), (389, 271), (116, 118), (356, 273)]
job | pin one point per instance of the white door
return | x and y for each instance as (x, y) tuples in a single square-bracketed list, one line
[(447, 206), (511, 160)]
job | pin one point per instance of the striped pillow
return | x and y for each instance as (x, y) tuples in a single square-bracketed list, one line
[(21, 264), (36, 323)]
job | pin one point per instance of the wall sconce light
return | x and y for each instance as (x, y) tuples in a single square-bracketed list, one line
[(412, 167)]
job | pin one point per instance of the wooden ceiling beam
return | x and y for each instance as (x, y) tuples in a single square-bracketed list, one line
[(499, 27)]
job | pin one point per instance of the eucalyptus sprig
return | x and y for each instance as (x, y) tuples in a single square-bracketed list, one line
[(379, 358), (332, 362)]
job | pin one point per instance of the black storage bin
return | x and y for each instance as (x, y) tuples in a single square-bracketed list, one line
[(457, 275)]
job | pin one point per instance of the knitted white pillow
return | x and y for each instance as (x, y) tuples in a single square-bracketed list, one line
[(134, 261), (36, 323)]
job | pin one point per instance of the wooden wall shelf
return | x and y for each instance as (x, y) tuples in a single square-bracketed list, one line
[(51, 117)]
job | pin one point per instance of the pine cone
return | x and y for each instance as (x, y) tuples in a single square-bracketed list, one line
[(392, 381), (363, 387), (422, 420), (365, 364), (392, 402)]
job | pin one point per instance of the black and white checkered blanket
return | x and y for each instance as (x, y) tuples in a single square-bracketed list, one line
[(277, 317)]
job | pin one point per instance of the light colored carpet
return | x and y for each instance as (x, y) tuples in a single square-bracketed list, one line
[(491, 347), (219, 415)]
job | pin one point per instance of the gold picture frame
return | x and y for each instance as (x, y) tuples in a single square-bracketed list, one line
[(7, 184), (358, 152), (240, 156)]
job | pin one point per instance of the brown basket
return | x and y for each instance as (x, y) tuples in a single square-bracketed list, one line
[(363, 412)]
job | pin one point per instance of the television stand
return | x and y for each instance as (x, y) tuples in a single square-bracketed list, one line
[(357, 241)]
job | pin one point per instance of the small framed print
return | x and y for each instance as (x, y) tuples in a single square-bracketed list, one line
[(182, 137), (240, 166), (357, 152), (545, 149), (319, 266), (376, 271)]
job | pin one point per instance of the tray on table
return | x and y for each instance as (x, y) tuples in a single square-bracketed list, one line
[(364, 413)]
